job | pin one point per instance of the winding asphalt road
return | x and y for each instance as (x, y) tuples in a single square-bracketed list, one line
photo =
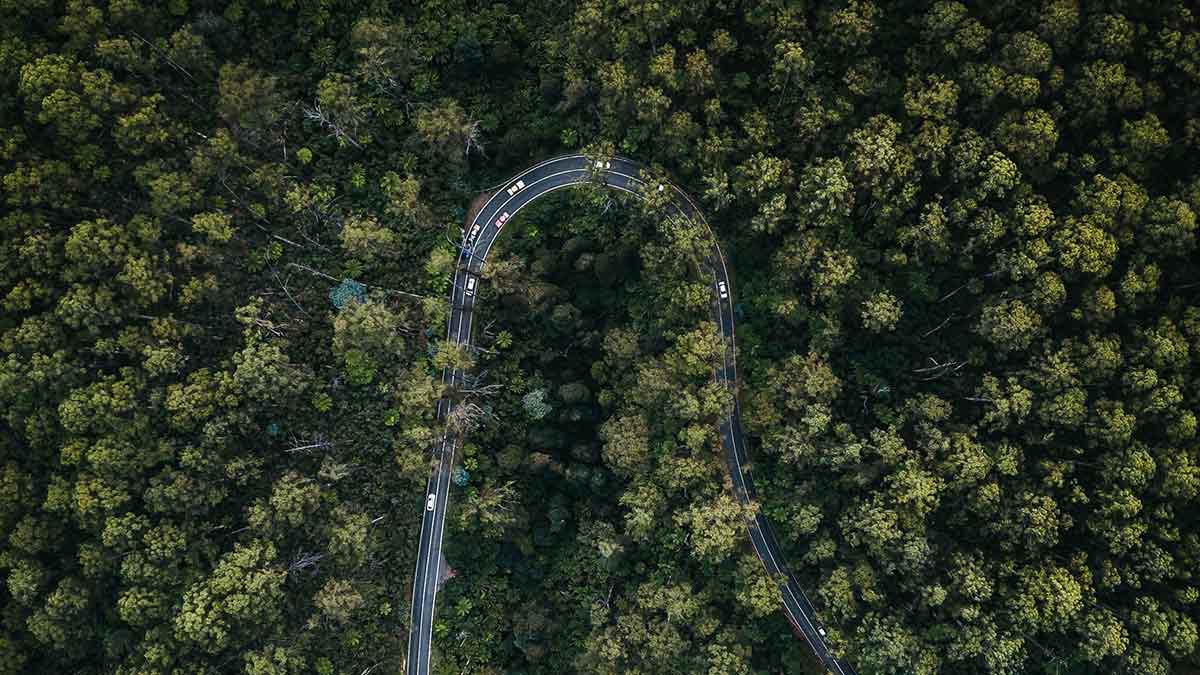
[(548, 176)]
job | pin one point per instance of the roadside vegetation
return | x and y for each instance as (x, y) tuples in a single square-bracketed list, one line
[(597, 513), (963, 248)]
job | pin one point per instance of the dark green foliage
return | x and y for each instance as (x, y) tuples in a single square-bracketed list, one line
[(964, 237)]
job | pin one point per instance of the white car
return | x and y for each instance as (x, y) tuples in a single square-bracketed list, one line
[(470, 286), (474, 233), (821, 631), (661, 187), (430, 502), (516, 187), (501, 220), (601, 164), (723, 290)]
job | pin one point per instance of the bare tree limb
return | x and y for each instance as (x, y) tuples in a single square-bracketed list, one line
[(305, 562), (317, 443), (336, 127), (283, 285), (323, 275), (939, 327)]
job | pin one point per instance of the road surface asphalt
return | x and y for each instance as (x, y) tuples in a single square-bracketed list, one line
[(625, 175)]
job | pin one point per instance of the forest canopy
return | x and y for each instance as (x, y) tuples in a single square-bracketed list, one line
[(962, 242)]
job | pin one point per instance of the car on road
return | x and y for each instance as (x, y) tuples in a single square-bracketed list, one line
[(723, 290), (470, 290), (601, 164), (501, 220), (821, 631), (430, 502), (516, 187), (474, 233)]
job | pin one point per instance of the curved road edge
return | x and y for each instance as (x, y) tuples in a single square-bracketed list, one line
[(624, 175)]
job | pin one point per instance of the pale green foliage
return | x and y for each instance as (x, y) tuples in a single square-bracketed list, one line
[(535, 404), (365, 238), (337, 600), (825, 192), (447, 129), (241, 597), (881, 312), (216, 226)]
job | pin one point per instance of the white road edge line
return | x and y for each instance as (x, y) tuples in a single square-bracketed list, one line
[(438, 519)]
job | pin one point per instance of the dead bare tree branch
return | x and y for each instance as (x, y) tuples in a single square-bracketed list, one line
[(305, 562), (338, 128), (323, 275), (467, 416), (317, 443), (283, 285), (939, 370), (931, 331)]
